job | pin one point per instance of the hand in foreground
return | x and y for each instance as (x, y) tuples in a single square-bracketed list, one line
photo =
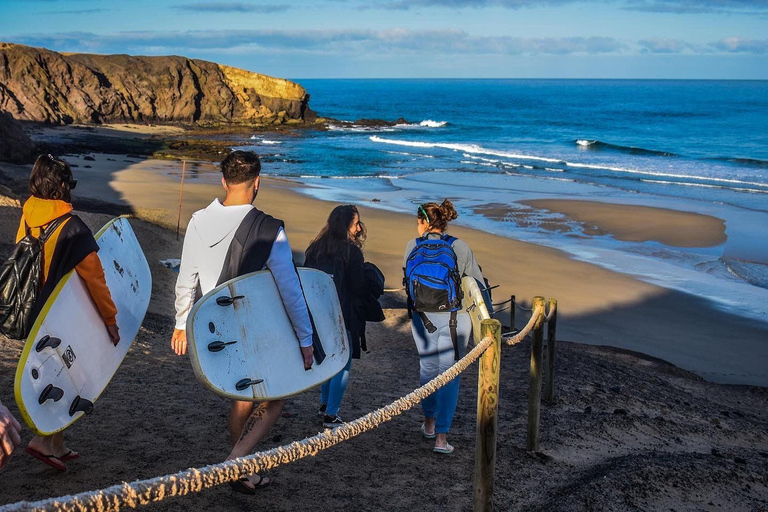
[(179, 341), (10, 436), (114, 335), (307, 354)]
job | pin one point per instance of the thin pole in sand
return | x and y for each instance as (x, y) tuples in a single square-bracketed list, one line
[(549, 384), (487, 417), (534, 390), (181, 197), (512, 309)]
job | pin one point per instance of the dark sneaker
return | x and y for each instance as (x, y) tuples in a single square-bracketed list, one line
[(332, 421), (321, 410)]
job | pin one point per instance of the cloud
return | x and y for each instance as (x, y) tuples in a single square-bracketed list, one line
[(746, 7), (77, 11), (232, 7), (442, 41), (664, 45), (357, 43), (657, 6), (741, 45)]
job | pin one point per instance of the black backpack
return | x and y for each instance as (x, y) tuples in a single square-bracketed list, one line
[(21, 279)]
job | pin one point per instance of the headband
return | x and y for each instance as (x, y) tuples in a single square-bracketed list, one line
[(422, 210)]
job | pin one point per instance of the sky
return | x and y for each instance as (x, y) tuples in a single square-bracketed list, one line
[(675, 39)]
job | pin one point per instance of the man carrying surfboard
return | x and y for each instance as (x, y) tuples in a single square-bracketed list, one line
[(207, 260)]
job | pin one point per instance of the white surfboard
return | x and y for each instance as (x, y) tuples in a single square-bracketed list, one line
[(68, 358), (474, 304), (242, 344)]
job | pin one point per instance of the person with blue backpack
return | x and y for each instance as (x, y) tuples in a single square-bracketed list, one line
[(434, 265)]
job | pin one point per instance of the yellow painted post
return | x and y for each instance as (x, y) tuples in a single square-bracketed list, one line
[(534, 390), (549, 384), (487, 417)]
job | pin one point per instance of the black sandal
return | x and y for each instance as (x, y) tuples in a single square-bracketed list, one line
[(242, 487)]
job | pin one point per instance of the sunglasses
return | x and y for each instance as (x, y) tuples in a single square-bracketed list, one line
[(72, 184)]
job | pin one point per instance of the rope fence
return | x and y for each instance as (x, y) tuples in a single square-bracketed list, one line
[(145, 492), (192, 480)]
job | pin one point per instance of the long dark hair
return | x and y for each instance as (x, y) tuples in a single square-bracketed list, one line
[(51, 178), (334, 238)]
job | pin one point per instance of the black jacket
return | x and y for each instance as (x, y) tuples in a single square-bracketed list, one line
[(349, 277)]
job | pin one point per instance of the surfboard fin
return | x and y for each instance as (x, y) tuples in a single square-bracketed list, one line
[(47, 341), (218, 346), (50, 392), (245, 383), (228, 301), (80, 405)]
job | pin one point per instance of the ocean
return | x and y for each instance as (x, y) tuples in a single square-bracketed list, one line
[(699, 146)]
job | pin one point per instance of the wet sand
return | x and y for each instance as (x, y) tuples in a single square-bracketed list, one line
[(631, 223)]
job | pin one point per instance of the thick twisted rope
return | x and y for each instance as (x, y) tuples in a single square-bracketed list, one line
[(551, 312), (517, 338), (145, 492)]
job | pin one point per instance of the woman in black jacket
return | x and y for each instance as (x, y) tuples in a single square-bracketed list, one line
[(337, 250)]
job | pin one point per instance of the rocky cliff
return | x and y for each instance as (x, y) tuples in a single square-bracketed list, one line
[(15, 145), (45, 86)]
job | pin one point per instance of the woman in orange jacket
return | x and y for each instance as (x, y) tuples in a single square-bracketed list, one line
[(70, 246)]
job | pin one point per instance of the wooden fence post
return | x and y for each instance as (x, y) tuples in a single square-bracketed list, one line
[(487, 417), (512, 310), (549, 384), (534, 390), (181, 197)]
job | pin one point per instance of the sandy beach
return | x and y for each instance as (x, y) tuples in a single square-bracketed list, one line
[(599, 306), (626, 431)]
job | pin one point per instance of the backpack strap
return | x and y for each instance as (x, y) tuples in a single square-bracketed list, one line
[(52, 226), (428, 325), (250, 248), (318, 351), (453, 327)]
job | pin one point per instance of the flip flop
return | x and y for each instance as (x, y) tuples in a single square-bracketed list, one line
[(70, 455), (241, 486), (443, 449), (426, 434), (50, 460)]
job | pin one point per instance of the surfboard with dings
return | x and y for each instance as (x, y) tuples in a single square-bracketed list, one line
[(242, 344), (474, 303), (68, 358)]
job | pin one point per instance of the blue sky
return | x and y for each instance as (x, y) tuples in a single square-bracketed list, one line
[(720, 39)]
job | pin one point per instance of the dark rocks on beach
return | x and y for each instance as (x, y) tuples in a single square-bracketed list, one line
[(378, 123), (45, 86), (87, 166), (621, 412), (15, 145), (588, 409), (89, 158), (615, 389)]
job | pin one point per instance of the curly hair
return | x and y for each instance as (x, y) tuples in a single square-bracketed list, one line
[(437, 215), (240, 167), (51, 178)]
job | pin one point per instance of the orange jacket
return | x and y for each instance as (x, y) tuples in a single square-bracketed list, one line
[(38, 213)]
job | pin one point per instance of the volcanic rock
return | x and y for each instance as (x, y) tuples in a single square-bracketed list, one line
[(40, 85)]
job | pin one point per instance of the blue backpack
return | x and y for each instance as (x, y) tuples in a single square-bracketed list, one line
[(432, 276)]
